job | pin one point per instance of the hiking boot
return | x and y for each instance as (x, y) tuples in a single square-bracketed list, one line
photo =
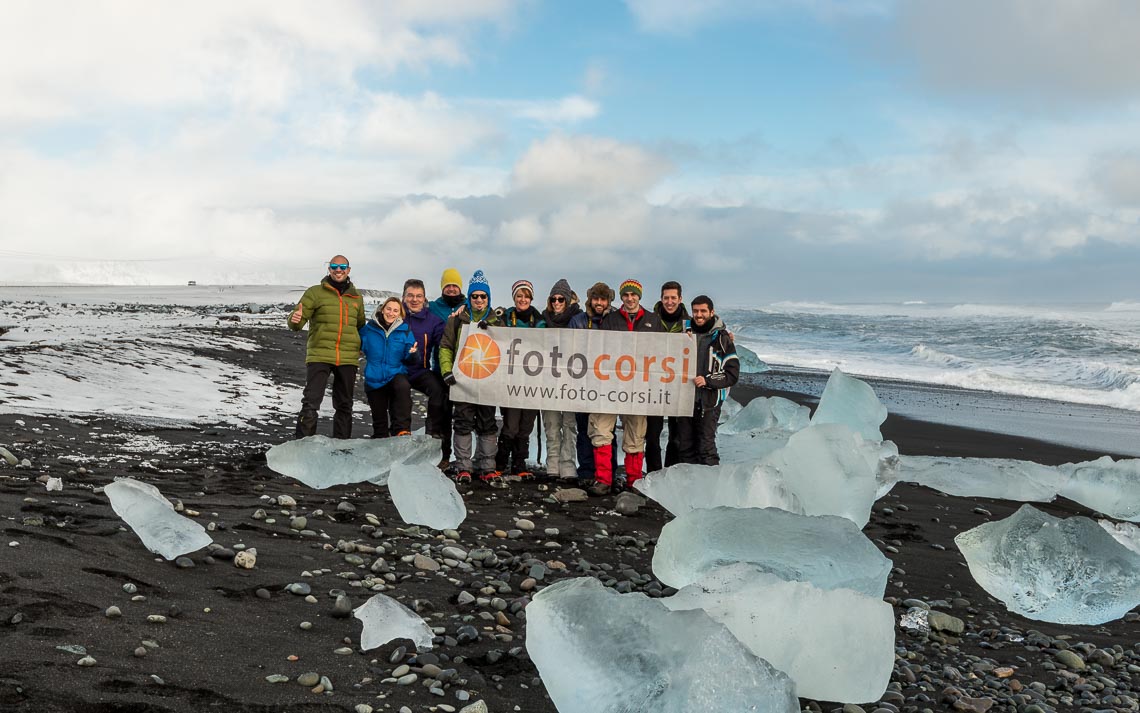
[(404, 433), (525, 474), (463, 477), (599, 489), (445, 465), (494, 479)]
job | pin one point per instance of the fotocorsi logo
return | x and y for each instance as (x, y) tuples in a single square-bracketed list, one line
[(479, 357)]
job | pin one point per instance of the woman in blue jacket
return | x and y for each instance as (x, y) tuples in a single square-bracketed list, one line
[(388, 347)]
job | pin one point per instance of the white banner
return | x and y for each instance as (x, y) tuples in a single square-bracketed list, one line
[(581, 370)]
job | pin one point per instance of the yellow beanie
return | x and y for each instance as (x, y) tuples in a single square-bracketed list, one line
[(451, 276)]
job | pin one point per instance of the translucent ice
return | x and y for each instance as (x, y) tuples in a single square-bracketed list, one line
[(1000, 478), (811, 634), (1107, 486), (729, 408), (322, 462), (603, 652), (763, 414), (749, 362), (684, 487), (850, 401), (423, 495), (831, 469), (1068, 571), (1125, 533), (828, 551), (753, 446), (152, 517), (386, 619)]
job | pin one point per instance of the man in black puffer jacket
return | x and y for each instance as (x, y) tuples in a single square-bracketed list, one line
[(718, 370)]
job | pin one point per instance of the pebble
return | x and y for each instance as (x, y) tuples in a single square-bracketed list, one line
[(571, 495), (309, 679), (407, 679), (1070, 659), (156, 619), (130, 588), (524, 524), (425, 563), (286, 501), (277, 678), (246, 559), (343, 606), (362, 708), (476, 707), (86, 661), (306, 625), (299, 588), (140, 652), (113, 612)]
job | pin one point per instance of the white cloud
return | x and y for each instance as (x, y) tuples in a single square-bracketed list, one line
[(1038, 52), (564, 168), (571, 109), (62, 59)]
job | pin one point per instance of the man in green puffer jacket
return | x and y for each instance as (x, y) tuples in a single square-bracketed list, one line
[(334, 311)]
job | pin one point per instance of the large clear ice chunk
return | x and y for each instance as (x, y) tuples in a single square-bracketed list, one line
[(852, 402), (1065, 571), (684, 487), (423, 495), (729, 408), (831, 469), (748, 447), (603, 652), (385, 619), (811, 634), (1107, 486), (764, 414), (322, 462), (828, 551), (749, 362), (1125, 533), (999, 478), (162, 530)]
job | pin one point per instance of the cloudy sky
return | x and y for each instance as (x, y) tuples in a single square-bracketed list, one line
[(757, 150)]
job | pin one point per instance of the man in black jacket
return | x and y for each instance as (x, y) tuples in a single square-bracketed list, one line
[(671, 312), (718, 370)]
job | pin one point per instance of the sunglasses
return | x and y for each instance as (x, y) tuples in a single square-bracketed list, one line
[(557, 299), (338, 266), (478, 296)]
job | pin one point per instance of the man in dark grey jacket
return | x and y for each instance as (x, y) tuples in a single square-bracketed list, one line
[(718, 370)]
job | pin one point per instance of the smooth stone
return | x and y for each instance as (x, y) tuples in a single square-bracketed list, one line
[(1070, 659), (299, 523), (343, 606), (528, 584), (524, 524), (263, 593), (113, 612), (476, 707), (454, 553), (407, 679), (140, 652), (941, 621), (299, 588), (86, 661), (309, 679), (277, 678), (425, 563), (401, 671)]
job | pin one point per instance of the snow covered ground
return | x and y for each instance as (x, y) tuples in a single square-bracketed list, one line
[(139, 353)]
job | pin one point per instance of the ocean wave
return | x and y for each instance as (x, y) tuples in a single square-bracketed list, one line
[(1123, 307), (929, 354), (914, 302), (809, 307), (1102, 376)]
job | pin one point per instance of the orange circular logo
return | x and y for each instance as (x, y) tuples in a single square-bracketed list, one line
[(479, 356)]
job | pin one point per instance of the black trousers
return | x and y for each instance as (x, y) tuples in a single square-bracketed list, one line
[(514, 439), (473, 418), (391, 406), (439, 408), (653, 427), (696, 436), (316, 378)]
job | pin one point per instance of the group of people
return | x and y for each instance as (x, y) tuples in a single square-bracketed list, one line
[(410, 343)]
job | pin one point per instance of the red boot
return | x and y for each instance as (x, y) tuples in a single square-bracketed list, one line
[(603, 464), (634, 468)]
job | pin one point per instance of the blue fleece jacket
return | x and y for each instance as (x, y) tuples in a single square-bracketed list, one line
[(386, 352)]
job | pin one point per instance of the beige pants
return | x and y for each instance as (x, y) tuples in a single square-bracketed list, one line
[(632, 429)]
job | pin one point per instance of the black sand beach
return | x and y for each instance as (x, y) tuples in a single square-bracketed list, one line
[(66, 559)]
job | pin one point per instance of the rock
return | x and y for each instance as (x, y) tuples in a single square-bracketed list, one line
[(286, 501), (476, 707), (1070, 659), (245, 559), (299, 588), (425, 563), (183, 562), (140, 652), (407, 679), (8, 457), (310, 679), (343, 606), (113, 612), (465, 598), (524, 524), (455, 553), (568, 495), (628, 503), (528, 584), (362, 708), (263, 593), (277, 678), (86, 661), (941, 621), (156, 619), (299, 523)]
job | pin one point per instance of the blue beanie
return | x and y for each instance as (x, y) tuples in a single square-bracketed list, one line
[(478, 283)]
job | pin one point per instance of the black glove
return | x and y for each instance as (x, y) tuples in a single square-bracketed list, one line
[(483, 324), (449, 379)]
